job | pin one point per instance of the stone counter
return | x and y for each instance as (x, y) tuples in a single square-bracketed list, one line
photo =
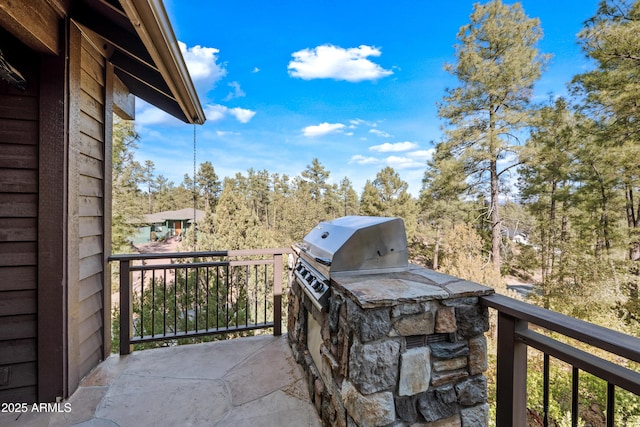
[(399, 348)]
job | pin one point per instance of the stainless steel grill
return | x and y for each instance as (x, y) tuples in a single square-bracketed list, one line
[(362, 244)]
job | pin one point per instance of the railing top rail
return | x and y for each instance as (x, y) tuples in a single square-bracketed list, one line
[(612, 341), (203, 254)]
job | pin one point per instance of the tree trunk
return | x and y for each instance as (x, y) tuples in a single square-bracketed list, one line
[(436, 249), (496, 225)]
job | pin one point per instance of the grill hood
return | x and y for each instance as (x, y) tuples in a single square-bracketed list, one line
[(356, 243)]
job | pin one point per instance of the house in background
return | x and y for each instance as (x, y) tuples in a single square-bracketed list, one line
[(66, 67), (163, 225)]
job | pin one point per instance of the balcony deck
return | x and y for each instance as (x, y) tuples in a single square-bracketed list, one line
[(240, 382)]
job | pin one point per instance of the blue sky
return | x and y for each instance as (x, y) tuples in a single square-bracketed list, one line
[(353, 83)]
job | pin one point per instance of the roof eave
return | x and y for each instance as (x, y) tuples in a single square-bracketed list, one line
[(150, 20)]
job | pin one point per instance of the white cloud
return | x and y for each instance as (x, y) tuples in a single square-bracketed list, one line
[(380, 133), (362, 160), (237, 92), (333, 62), (225, 133), (403, 162), (255, 70), (423, 155), (216, 112), (242, 115), (322, 129), (202, 65), (396, 147)]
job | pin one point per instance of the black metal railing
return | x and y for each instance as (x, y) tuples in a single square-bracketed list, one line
[(171, 296), (521, 326)]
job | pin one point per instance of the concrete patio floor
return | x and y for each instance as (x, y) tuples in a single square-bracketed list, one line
[(241, 382)]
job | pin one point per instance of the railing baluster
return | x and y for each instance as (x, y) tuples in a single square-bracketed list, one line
[(217, 297), (228, 285), (266, 293), (545, 391), (141, 324), (611, 404), (197, 284), (153, 302), (207, 300), (175, 301), (246, 299), (164, 303), (186, 299), (575, 379)]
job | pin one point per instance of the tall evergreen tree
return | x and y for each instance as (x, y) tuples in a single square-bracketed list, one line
[(546, 186), (612, 97), (349, 204), (148, 175), (497, 65), (208, 184), (440, 200), (126, 176), (316, 177), (387, 195)]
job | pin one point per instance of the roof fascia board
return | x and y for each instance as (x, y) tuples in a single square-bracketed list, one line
[(150, 20)]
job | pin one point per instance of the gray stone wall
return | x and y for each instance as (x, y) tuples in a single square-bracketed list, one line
[(415, 361)]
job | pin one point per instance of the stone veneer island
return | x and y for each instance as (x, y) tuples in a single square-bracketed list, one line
[(398, 348)]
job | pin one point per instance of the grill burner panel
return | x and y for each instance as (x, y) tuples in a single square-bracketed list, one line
[(360, 244), (313, 284)]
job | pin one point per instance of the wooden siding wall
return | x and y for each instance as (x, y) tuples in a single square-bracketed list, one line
[(18, 228), (90, 167)]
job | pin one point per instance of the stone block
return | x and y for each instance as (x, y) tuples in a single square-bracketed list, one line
[(472, 320), (406, 408), (449, 350), (416, 324), (370, 325), (404, 309), (373, 367), (450, 364), (441, 378), (476, 416), (472, 391), (372, 410), (434, 409), (446, 320), (415, 371), (478, 355)]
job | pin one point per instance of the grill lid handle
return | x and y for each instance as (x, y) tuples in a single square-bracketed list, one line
[(321, 260), (325, 261)]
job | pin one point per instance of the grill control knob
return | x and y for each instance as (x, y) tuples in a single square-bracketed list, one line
[(317, 285)]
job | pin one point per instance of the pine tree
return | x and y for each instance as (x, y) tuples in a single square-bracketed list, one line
[(126, 176), (497, 66), (441, 204), (387, 196), (208, 185)]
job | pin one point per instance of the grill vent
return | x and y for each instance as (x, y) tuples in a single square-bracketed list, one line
[(415, 341), (434, 338)]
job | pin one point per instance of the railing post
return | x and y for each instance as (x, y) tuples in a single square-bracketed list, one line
[(277, 294), (126, 311), (511, 375)]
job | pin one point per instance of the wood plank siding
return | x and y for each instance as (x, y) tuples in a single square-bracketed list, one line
[(91, 192), (19, 139)]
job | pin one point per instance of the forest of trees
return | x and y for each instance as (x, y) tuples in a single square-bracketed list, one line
[(565, 172)]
